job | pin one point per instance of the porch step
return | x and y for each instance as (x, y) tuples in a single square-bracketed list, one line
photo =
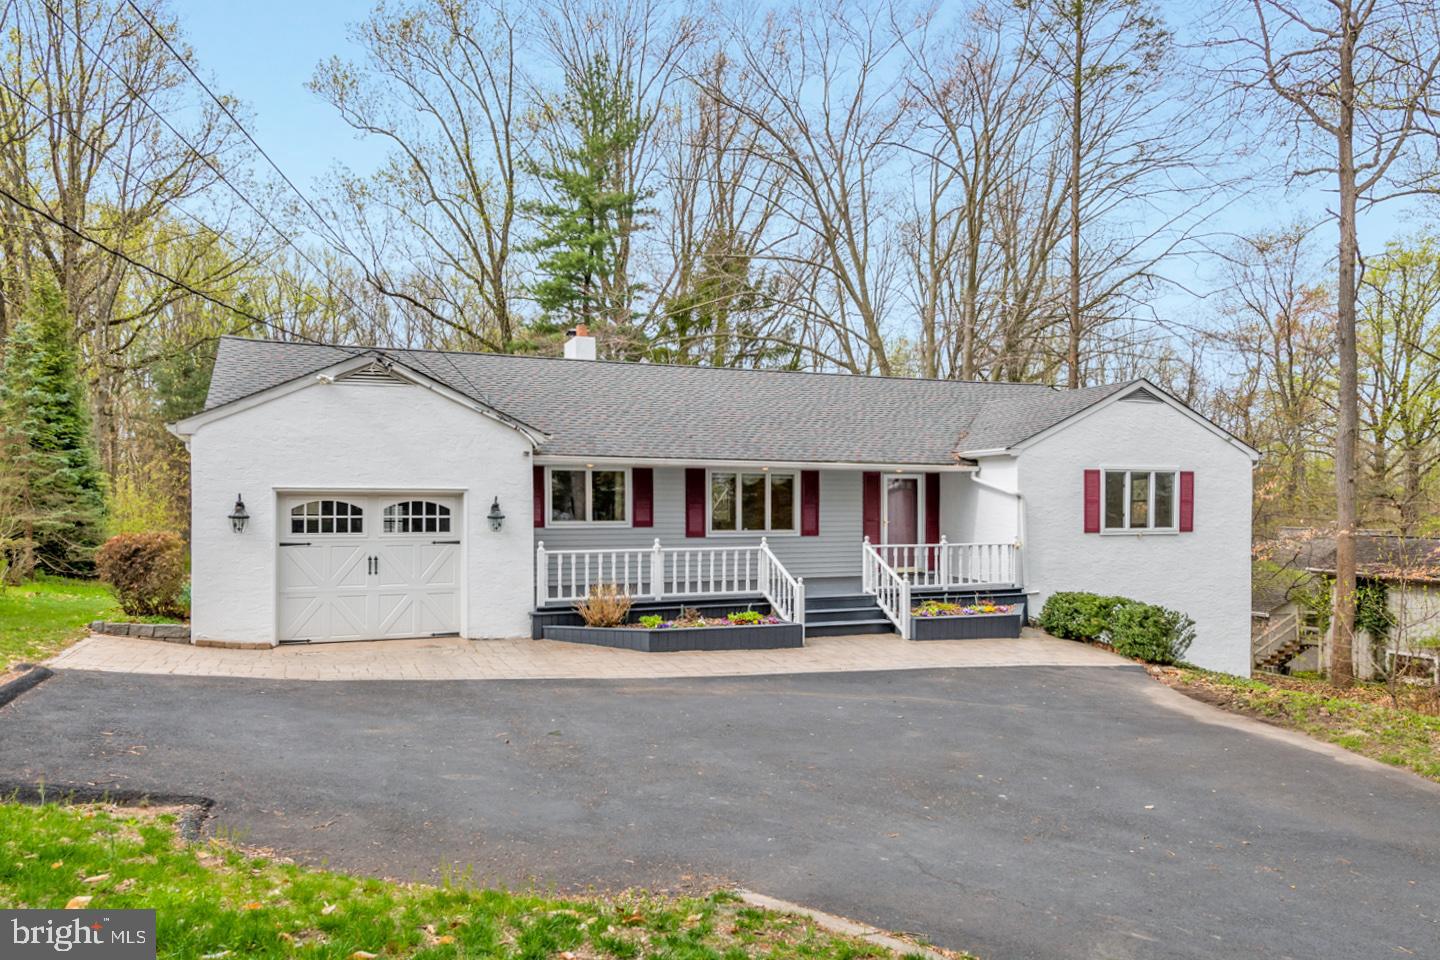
[(841, 614), (837, 601), (846, 628)]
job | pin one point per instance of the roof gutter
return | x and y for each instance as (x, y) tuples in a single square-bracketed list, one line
[(580, 460)]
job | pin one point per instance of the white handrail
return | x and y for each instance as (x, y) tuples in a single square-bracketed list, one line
[(891, 590), (785, 593), (946, 564), (657, 572)]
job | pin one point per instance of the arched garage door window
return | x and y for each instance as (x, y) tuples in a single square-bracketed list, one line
[(326, 516), (417, 516)]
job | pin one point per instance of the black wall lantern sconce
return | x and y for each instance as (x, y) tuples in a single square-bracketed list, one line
[(239, 516), (495, 516)]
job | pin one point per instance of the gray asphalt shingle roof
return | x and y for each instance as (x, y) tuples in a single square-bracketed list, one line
[(611, 409)]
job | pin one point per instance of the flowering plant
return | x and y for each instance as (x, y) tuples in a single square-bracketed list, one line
[(937, 608), (692, 618)]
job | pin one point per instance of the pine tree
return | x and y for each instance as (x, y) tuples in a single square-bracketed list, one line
[(591, 209), (50, 483)]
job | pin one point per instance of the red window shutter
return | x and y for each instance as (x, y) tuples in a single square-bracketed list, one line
[(695, 501), (932, 508), (932, 517), (809, 503), (1187, 501), (644, 480), (539, 474), (1092, 501), (870, 506)]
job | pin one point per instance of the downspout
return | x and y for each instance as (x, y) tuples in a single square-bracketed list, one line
[(1019, 518)]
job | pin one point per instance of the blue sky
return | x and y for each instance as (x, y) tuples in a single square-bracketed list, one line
[(264, 51)]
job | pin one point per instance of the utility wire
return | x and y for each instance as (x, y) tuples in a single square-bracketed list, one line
[(209, 161), (334, 233), (154, 271)]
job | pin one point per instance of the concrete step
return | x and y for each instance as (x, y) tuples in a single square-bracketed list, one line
[(837, 614), (847, 628), (838, 600)]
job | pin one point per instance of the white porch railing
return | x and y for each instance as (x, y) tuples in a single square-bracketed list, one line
[(659, 573), (785, 593), (946, 564), (891, 591)]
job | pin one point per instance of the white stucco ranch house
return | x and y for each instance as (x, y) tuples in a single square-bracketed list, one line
[(401, 493)]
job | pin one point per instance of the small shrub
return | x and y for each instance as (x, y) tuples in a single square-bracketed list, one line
[(651, 620), (1150, 633), (147, 571), (740, 617), (1078, 616), (605, 607)]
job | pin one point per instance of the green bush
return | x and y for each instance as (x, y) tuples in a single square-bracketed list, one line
[(1150, 633), (650, 621), (147, 571), (744, 617), (1078, 616)]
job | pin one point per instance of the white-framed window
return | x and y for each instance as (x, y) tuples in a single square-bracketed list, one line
[(754, 501), (327, 516), (416, 516), (588, 495), (1139, 500)]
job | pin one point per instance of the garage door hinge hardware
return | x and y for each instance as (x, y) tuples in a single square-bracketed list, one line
[(444, 541), (294, 543)]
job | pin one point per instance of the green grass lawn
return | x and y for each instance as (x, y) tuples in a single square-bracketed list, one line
[(1360, 721), (41, 616), (212, 900)]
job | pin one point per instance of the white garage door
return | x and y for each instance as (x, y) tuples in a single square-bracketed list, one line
[(368, 567)]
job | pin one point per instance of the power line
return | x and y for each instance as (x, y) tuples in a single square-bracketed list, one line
[(334, 232), (154, 271), (209, 161), (225, 108)]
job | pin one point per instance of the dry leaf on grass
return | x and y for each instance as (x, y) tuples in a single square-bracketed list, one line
[(78, 903)]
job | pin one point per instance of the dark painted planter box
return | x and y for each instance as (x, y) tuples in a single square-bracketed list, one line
[(766, 636), (973, 627), (567, 616)]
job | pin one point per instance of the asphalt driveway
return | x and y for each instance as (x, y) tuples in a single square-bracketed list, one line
[(1015, 812)]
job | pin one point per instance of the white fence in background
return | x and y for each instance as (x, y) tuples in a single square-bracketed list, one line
[(961, 565), (664, 573)]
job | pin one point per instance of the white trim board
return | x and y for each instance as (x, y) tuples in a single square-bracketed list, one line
[(327, 376)]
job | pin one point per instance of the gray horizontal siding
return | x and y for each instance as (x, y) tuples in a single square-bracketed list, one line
[(834, 553)]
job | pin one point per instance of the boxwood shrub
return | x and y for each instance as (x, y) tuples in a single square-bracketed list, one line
[(1150, 633), (1140, 630), (1078, 616)]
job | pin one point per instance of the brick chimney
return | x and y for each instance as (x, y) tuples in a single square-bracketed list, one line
[(580, 346)]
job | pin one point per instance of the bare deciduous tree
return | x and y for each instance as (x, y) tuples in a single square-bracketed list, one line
[(1353, 84)]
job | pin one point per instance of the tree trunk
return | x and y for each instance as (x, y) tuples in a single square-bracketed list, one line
[(1342, 666), (1073, 357)]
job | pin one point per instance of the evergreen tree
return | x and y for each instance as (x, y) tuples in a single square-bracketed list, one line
[(592, 209), (50, 481)]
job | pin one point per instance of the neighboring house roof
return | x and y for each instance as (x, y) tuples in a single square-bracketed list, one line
[(655, 411), (1378, 556)]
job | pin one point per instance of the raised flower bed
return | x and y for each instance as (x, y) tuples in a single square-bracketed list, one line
[(740, 630), (935, 620)]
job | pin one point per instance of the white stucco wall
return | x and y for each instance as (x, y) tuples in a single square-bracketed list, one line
[(975, 512), (346, 436), (1205, 573)]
